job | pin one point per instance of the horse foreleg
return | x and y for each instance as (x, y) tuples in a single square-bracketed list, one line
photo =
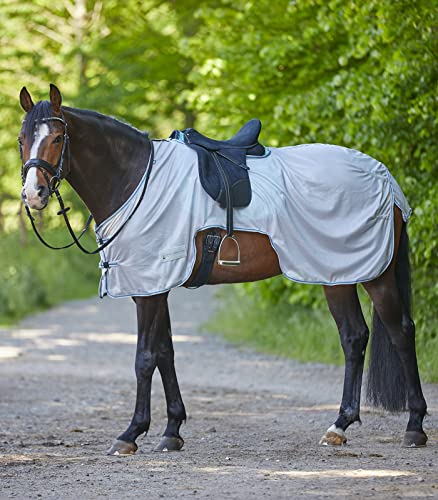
[(176, 413), (152, 320), (345, 307)]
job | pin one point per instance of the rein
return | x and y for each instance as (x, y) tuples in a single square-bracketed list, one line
[(53, 184)]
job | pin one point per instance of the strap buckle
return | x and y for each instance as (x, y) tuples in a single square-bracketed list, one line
[(211, 242), (54, 183), (229, 263)]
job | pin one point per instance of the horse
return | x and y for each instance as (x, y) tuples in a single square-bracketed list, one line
[(104, 160)]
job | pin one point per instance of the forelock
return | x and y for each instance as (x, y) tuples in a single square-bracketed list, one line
[(42, 109)]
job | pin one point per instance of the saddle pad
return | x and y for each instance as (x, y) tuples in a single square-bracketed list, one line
[(327, 210)]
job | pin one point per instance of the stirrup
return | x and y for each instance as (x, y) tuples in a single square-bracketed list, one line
[(223, 262)]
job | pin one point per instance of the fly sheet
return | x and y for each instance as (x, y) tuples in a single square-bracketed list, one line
[(328, 211)]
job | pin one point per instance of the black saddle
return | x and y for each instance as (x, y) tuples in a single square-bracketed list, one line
[(223, 170), (246, 138)]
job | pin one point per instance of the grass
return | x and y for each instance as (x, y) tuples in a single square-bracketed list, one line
[(35, 278), (292, 331), (295, 331)]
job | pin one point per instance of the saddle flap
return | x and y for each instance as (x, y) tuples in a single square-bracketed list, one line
[(211, 177)]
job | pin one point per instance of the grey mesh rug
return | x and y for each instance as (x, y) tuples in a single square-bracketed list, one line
[(327, 210)]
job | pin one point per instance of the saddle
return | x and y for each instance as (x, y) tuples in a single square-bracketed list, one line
[(223, 170)]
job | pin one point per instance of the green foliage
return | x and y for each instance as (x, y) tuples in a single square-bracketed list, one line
[(362, 75), (34, 277), (118, 58)]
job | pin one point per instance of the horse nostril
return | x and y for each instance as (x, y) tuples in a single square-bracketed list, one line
[(41, 191)]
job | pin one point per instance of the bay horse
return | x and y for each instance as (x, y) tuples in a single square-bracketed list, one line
[(105, 161)]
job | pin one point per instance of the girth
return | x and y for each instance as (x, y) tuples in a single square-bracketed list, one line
[(210, 247)]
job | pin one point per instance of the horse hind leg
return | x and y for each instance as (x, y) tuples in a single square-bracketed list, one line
[(345, 307), (393, 347)]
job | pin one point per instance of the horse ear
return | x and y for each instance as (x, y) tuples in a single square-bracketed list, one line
[(25, 100), (55, 98)]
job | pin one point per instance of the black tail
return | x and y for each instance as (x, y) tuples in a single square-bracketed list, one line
[(386, 384)]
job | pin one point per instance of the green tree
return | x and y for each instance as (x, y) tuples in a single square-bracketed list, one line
[(357, 74), (119, 59)]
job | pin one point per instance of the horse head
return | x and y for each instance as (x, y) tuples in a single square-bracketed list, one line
[(43, 142)]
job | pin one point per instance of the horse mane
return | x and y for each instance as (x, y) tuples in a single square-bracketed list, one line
[(110, 120), (43, 109)]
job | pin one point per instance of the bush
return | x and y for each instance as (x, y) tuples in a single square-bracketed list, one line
[(34, 277)]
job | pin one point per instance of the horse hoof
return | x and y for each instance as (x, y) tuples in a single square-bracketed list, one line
[(121, 448), (170, 444), (414, 439), (333, 437)]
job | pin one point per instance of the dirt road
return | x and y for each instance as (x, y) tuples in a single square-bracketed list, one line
[(67, 390)]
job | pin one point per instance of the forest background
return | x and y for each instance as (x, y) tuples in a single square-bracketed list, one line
[(359, 74)]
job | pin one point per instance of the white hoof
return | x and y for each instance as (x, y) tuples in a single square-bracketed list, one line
[(333, 437)]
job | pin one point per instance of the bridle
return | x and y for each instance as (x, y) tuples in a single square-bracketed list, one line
[(44, 166), (54, 182)]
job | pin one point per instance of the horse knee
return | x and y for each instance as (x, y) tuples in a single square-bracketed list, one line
[(145, 363), (165, 351), (354, 342)]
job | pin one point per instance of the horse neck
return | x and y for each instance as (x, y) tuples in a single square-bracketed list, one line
[(108, 159)]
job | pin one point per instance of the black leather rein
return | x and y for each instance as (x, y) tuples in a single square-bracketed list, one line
[(53, 184)]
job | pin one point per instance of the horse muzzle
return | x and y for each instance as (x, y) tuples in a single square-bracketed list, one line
[(36, 199)]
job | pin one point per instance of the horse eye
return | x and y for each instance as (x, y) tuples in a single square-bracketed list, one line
[(57, 139), (20, 142)]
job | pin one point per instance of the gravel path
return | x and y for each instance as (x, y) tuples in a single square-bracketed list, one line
[(67, 389)]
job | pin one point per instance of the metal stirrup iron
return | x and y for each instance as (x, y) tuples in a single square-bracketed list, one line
[(230, 263)]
